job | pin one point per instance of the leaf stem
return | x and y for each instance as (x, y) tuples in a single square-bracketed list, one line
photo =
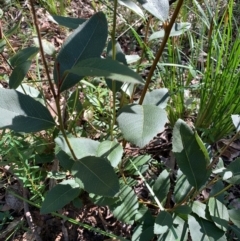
[(167, 28)]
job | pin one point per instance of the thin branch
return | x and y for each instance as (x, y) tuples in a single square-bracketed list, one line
[(29, 217), (167, 28), (56, 96), (114, 57), (41, 48), (215, 159)]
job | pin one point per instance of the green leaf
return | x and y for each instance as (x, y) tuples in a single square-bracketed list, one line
[(2, 45), (161, 186), (56, 175), (184, 209), (236, 121), (236, 230), (191, 158), (163, 222), (87, 41), (129, 205), (73, 103), (18, 74), (202, 147), (142, 233), (200, 209), (157, 97), (203, 230), (22, 113), (44, 158), (219, 213), (97, 176), (144, 216), (182, 188), (216, 188), (120, 57), (178, 231), (139, 162), (81, 146), (60, 195), (104, 201), (107, 68), (133, 58), (68, 22), (158, 8), (140, 123), (110, 150), (128, 89), (177, 29), (234, 169), (13, 30), (77, 203), (23, 55), (219, 167), (29, 90), (131, 182), (48, 47), (64, 159), (234, 215), (132, 6)]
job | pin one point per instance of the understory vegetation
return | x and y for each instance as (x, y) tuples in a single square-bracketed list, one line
[(132, 110)]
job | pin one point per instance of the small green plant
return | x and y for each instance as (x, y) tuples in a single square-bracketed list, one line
[(211, 99), (218, 98), (100, 167), (55, 6)]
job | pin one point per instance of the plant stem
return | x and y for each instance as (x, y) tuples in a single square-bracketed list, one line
[(60, 120), (187, 197), (149, 188), (220, 192), (114, 108), (167, 28), (56, 96), (145, 43), (223, 150), (142, 54), (41, 48), (114, 30), (114, 57)]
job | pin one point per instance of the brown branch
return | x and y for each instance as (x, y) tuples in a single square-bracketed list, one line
[(28, 216), (41, 48), (167, 28)]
